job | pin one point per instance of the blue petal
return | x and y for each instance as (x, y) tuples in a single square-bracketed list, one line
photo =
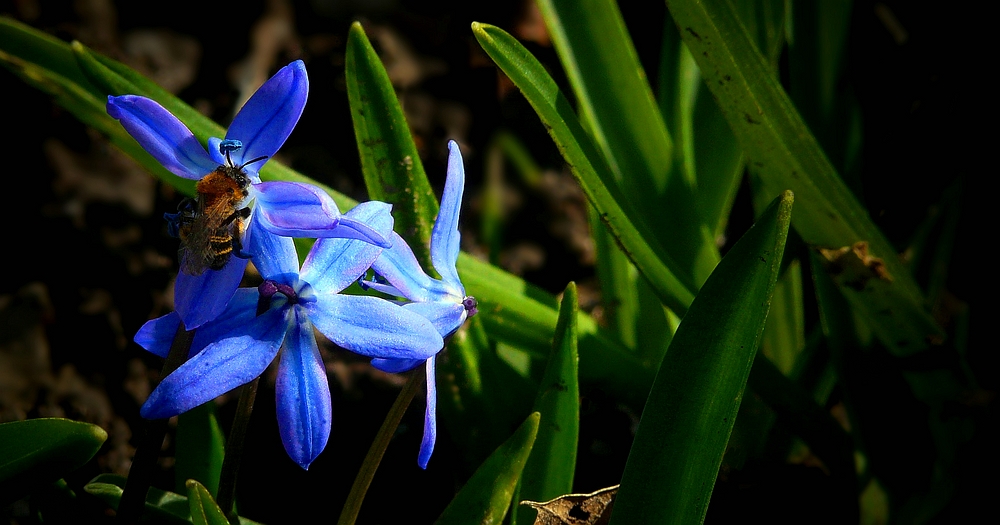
[(395, 366), (430, 418), (304, 409), (200, 298), (168, 140), (273, 255), (267, 119), (157, 335), (333, 264), (227, 363), (399, 266), (374, 327), (294, 209), (239, 313), (445, 238), (445, 316)]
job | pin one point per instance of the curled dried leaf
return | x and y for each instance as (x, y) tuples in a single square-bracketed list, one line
[(576, 509), (854, 266)]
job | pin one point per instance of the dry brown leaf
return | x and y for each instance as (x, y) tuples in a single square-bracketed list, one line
[(576, 509), (853, 266)]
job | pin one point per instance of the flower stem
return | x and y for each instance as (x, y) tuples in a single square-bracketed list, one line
[(234, 450), (141, 472), (364, 478)]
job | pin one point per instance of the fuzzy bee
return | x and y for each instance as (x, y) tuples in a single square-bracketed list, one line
[(210, 226)]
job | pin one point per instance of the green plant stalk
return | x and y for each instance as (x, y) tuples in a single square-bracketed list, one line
[(349, 514), (234, 450)]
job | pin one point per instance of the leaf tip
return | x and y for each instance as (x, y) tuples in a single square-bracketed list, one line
[(98, 433), (479, 29), (785, 207)]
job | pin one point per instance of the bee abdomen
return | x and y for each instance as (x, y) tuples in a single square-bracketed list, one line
[(222, 248)]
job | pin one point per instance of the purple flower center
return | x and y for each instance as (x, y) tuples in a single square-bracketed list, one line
[(268, 288)]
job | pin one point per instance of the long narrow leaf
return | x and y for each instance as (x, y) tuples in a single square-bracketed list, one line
[(671, 283), (687, 421), (615, 99), (390, 162), (550, 467), (785, 154), (486, 497)]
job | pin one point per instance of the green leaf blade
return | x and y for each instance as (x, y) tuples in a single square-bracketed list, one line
[(200, 448), (552, 463), (160, 507), (782, 151), (39, 451), (689, 416), (204, 510), (486, 497), (390, 161), (666, 277), (617, 103)]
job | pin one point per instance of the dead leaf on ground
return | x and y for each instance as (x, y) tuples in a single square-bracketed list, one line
[(576, 509)]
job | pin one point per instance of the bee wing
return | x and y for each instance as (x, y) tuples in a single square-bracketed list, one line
[(198, 252)]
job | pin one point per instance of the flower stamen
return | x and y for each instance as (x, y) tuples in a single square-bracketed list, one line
[(471, 305)]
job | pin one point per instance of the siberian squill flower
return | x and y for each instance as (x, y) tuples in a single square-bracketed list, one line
[(238, 345), (442, 301), (234, 189)]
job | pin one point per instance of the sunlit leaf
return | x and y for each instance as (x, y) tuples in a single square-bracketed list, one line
[(390, 161), (616, 102), (669, 279), (552, 463), (161, 506)]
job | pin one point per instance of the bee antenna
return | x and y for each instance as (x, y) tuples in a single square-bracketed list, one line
[(251, 161)]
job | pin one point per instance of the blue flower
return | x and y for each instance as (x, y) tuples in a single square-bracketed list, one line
[(282, 208), (238, 345), (442, 301)]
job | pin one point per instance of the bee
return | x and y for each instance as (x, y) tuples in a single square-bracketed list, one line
[(210, 226)]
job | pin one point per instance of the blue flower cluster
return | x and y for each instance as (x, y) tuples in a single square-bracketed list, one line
[(235, 218)]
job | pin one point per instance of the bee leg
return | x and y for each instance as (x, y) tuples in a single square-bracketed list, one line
[(238, 248), (184, 215), (241, 214), (237, 242)]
